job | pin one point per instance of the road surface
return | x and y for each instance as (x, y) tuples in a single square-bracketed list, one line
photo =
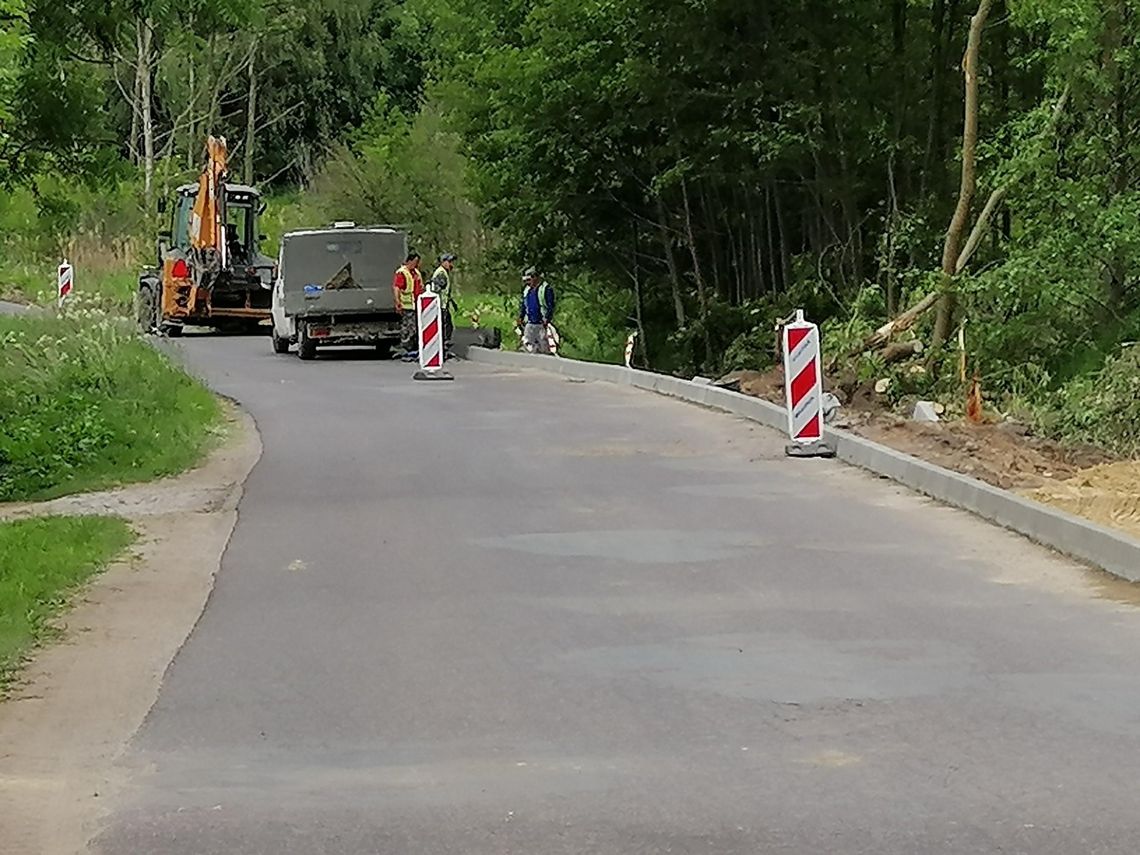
[(7, 308), (518, 614)]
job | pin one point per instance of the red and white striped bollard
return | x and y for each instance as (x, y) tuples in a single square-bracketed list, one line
[(65, 281), (803, 389), (430, 327)]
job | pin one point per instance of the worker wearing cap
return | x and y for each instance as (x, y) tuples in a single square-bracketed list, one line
[(536, 310), (441, 284), (407, 285)]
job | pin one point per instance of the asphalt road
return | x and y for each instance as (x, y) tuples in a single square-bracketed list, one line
[(517, 614), (7, 308)]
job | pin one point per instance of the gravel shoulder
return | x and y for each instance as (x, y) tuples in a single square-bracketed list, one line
[(82, 699)]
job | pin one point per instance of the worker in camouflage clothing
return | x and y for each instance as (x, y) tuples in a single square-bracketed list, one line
[(441, 284)]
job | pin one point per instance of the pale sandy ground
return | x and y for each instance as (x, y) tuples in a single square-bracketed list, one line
[(1108, 494), (82, 699)]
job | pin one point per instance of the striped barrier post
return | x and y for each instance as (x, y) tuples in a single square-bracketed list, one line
[(629, 349), (430, 338), (803, 389), (65, 281), (552, 339)]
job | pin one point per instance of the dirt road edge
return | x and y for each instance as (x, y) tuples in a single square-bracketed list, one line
[(81, 700)]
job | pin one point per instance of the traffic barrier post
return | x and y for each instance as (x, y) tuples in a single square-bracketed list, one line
[(803, 389), (430, 332), (65, 281)]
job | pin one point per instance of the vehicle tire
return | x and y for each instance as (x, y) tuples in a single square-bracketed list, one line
[(306, 347), (146, 310), (173, 331), (280, 345)]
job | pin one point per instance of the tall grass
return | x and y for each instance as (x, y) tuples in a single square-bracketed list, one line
[(41, 562), (85, 404)]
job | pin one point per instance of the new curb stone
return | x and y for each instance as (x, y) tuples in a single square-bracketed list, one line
[(1078, 538)]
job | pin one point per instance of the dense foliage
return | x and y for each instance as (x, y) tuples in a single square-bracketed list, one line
[(696, 169)]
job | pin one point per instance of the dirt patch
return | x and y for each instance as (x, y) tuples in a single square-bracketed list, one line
[(1000, 455), (81, 700), (1082, 481), (1107, 494)]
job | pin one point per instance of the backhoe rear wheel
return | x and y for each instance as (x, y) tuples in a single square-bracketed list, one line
[(146, 310)]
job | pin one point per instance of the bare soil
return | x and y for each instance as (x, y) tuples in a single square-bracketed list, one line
[(1107, 494), (1083, 481), (82, 699)]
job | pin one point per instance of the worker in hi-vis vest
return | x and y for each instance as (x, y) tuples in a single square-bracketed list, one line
[(441, 284), (536, 310), (407, 285)]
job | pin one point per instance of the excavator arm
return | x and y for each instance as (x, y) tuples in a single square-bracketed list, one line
[(207, 232)]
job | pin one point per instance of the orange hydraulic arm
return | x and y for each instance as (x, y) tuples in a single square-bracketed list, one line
[(207, 234)]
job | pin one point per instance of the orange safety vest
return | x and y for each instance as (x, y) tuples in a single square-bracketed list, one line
[(408, 292)]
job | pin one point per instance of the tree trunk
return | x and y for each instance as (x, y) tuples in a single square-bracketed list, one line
[(953, 244), (251, 115), (1115, 266), (671, 261), (702, 293), (785, 248), (767, 259), (146, 76), (638, 299), (901, 350), (192, 123), (136, 102)]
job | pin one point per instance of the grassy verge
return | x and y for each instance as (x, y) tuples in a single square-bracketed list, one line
[(85, 404), (42, 562), (34, 282)]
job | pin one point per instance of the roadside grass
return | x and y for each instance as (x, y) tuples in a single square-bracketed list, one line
[(111, 289), (85, 404), (42, 563)]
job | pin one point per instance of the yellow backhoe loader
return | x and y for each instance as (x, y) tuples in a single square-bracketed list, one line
[(210, 270)]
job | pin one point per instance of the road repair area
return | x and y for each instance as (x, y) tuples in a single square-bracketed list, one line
[(518, 614)]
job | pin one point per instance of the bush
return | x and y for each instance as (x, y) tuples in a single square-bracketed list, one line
[(85, 404), (1101, 408)]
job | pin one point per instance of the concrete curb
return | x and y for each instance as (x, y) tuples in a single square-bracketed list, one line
[(1086, 541)]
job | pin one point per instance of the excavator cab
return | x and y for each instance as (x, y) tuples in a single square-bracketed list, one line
[(210, 271)]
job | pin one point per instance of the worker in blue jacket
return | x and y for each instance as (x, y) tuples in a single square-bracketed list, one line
[(536, 310)]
